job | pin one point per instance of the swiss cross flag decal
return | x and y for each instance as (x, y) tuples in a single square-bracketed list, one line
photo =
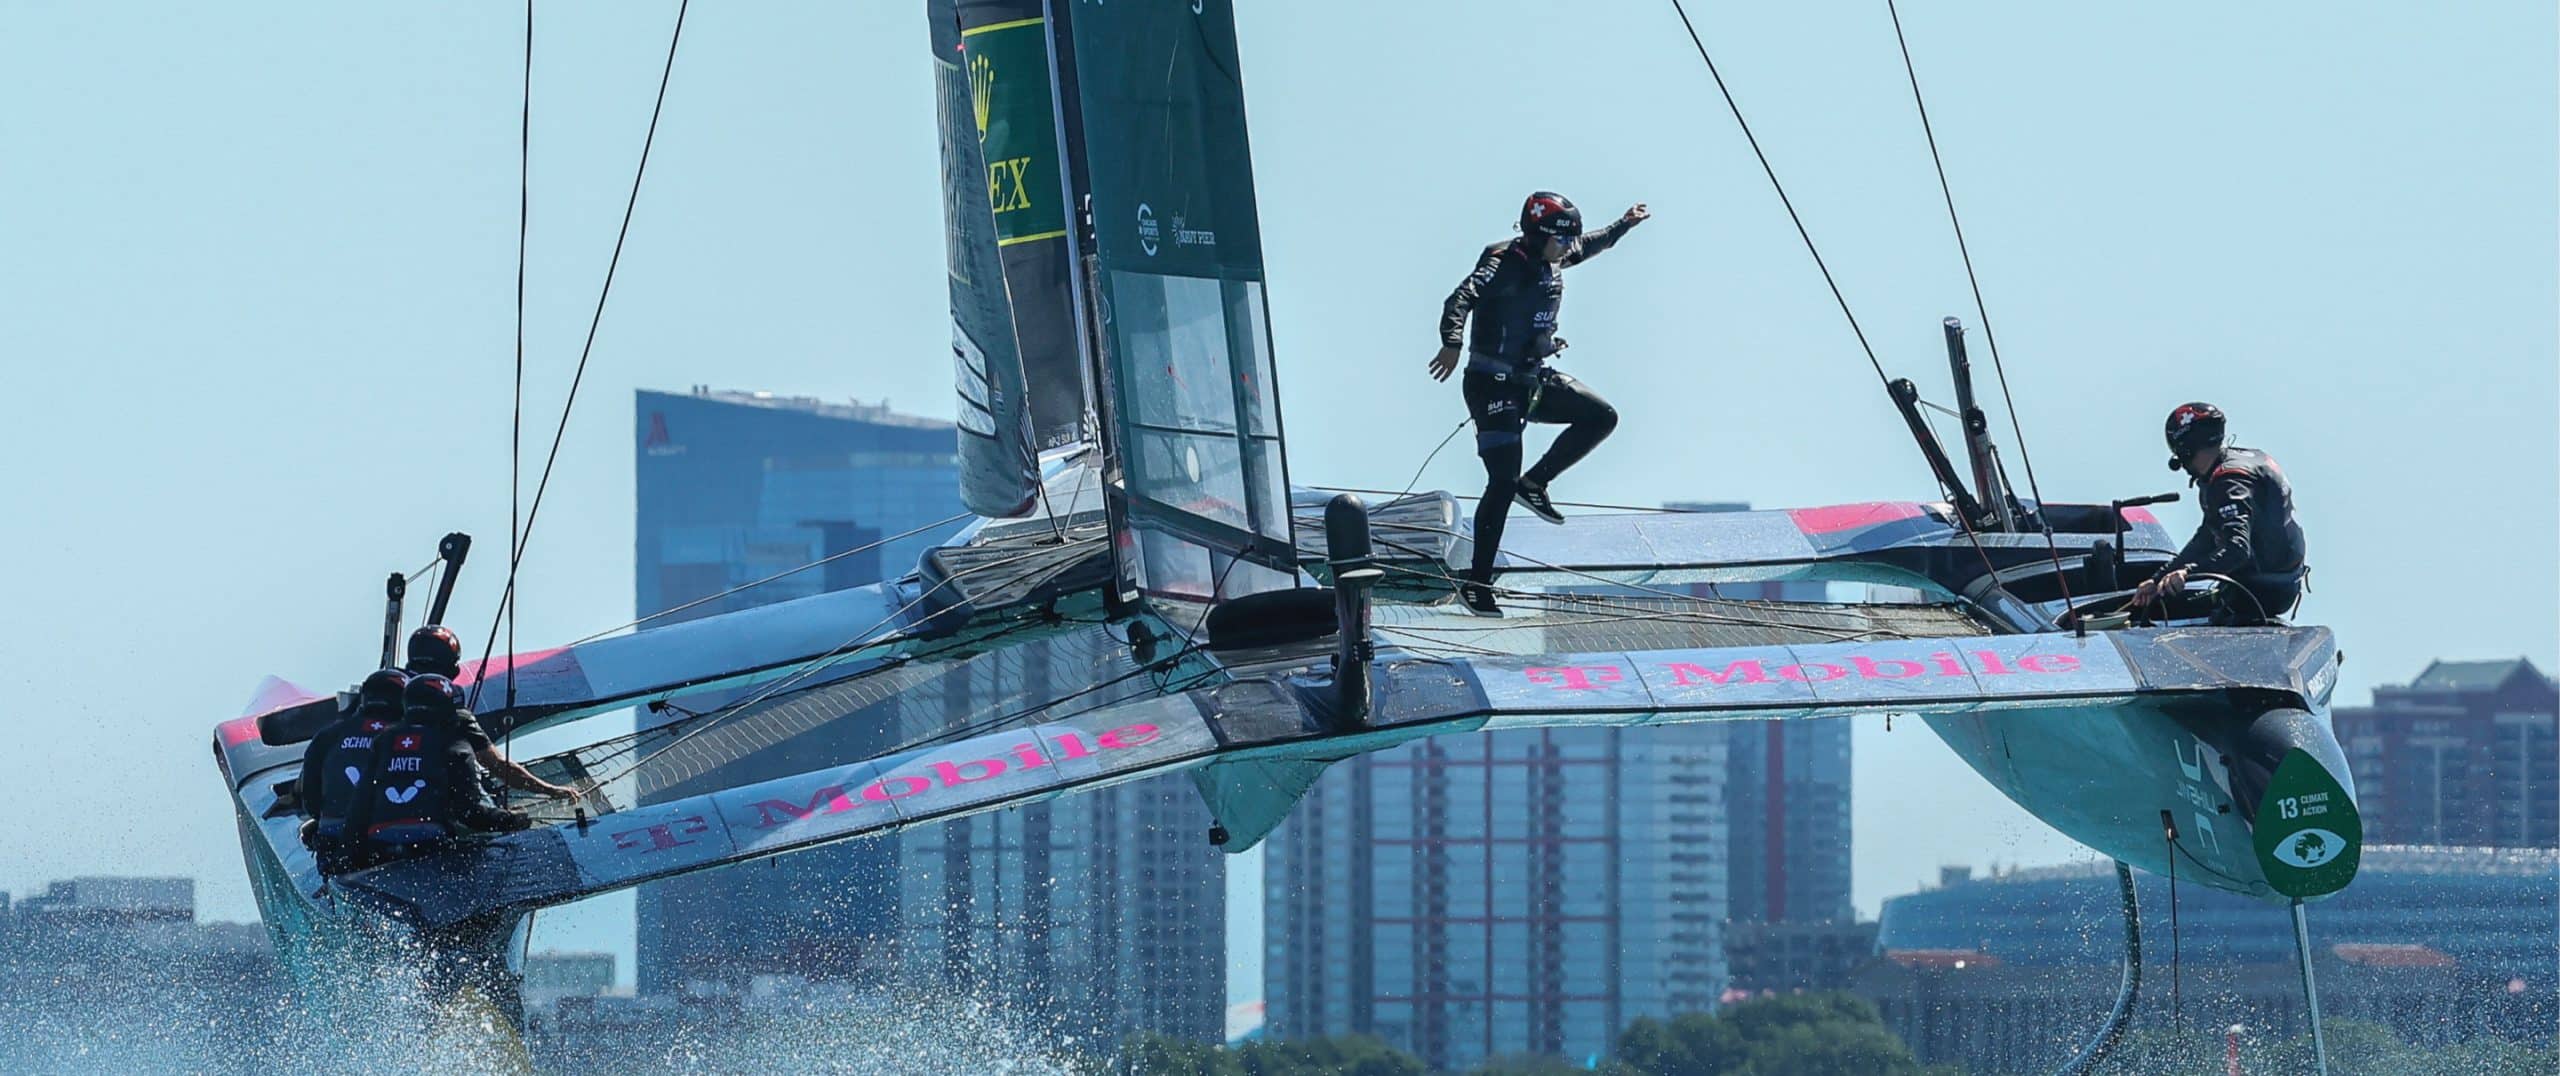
[(407, 742)]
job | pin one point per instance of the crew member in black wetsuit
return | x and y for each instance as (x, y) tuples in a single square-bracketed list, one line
[(2248, 534), (1514, 293), (434, 649), (422, 788), (335, 763)]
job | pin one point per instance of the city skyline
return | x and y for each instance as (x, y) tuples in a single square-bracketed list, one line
[(2145, 222), (732, 488)]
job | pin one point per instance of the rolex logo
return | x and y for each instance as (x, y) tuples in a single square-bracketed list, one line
[(982, 84)]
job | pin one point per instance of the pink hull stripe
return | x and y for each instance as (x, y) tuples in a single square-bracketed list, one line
[(1847, 517), (526, 664)]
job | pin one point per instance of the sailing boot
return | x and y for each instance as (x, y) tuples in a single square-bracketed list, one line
[(1532, 495), (1478, 597)]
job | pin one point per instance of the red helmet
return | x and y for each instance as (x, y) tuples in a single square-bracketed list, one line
[(382, 688), (2192, 426), (1547, 213), (435, 649), (433, 694)]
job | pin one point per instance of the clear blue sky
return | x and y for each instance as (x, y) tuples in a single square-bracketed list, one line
[(257, 272)]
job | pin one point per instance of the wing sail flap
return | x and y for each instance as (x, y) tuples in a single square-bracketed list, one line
[(1156, 135), (999, 467)]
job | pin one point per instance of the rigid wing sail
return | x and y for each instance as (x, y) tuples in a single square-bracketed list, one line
[(1165, 601)]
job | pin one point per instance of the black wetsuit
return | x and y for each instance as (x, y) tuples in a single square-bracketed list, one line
[(422, 787), (1514, 297), (333, 766), (2249, 534), (467, 728)]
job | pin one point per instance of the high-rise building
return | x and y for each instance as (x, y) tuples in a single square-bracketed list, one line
[(1096, 914), (1526, 891), (1113, 902), (2463, 755), (737, 487), (1787, 801)]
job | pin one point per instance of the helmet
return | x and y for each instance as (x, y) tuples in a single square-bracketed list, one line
[(433, 694), (435, 649), (382, 688), (1547, 213), (2192, 426)]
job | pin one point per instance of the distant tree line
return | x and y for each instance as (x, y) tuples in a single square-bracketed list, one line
[(1828, 1034), (1824, 1034)]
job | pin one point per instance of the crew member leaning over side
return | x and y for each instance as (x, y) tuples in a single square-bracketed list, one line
[(435, 650), (421, 788), (2248, 535)]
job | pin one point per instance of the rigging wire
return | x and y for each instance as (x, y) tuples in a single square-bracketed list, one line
[(1629, 613), (1165, 663), (1989, 339), (813, 666), (1603, 601), (432, 573), (634, 741), (515, 425), (1426, 460), (787, 572), (1992, 573), (515, 559), (1781, 188), (1652, 510), (1594, 577)]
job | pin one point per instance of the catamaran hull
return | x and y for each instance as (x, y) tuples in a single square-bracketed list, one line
[(352, 958), (2163, 787)]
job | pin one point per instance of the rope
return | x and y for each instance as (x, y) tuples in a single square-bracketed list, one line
[(1992, 573), (1426, 460), (1654, 510), (813, 665), (1781, 188), (972, 728), (631, 742), (1594, 577), (2061, 578), (787, 572), (515, 424), (515, 559)]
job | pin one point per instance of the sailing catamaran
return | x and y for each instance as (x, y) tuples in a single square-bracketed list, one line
[(1140, 541)]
